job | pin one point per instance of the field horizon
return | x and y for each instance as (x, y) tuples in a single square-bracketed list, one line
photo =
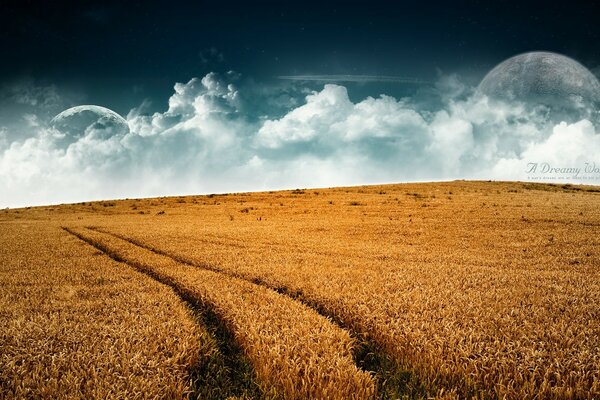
[(575, 186), (447, 289)]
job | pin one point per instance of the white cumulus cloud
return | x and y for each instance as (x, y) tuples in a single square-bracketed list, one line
[(220, 134)]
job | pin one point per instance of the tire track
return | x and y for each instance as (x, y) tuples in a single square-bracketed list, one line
[(392, 379), (296, 352), (225, 374)]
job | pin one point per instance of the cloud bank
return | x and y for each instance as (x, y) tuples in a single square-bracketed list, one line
[(221, 134)]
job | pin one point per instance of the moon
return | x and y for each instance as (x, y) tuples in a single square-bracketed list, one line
[(88, 120), (543, 78)]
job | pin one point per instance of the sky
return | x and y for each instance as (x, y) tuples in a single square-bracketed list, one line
[(220, 96)]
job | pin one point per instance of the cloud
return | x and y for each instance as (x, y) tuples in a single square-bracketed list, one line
[(222, 133), (28, 102), (403, 139), (195, 106), (569, 147), (329, 117), (3, 139), (28, 92)]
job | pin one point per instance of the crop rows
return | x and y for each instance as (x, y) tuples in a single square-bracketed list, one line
[(502, 301), (75, 324), (296, 353), (447, 290)]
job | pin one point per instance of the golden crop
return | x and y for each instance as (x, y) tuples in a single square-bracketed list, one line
[(456, 290), (296, 353), (75, 324)]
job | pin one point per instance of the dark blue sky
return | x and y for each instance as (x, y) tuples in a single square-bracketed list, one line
[(251, 130), (120, 53)]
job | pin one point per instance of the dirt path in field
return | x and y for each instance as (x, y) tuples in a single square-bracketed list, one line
[(368, 355), (323, 370)]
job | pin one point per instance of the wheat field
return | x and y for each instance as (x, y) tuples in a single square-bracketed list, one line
[(474, 290)]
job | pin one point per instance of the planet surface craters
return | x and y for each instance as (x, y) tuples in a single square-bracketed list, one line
[(545, 78), (91, 121)]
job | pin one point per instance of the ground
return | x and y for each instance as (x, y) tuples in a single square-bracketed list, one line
[(450, 290)]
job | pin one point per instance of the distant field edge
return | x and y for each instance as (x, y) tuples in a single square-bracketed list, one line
[(527, 185)]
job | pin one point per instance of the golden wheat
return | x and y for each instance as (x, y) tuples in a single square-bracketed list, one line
[(296, 353), (484, 289), (480, 289), (75, 324)]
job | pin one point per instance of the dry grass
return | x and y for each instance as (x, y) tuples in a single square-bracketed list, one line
[(473, 289), (296, 353), (74, 324)]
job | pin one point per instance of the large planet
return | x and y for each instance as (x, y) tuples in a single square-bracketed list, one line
[(544, 78), (96, 122)]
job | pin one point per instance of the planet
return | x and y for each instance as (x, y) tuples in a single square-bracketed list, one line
[(91, 121), (544, 78)]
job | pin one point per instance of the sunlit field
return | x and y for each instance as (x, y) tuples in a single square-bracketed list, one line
[(429, 290)]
